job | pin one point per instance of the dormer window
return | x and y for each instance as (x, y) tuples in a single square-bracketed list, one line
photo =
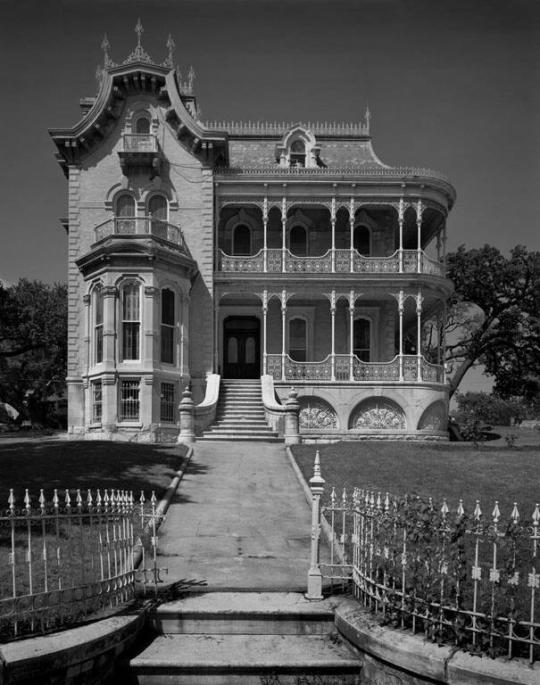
[(297, 155)]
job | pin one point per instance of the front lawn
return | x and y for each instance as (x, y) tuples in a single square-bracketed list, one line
[(447, 470), (62, 464)]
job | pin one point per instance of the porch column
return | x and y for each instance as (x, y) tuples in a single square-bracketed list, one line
[(401, 216), (265, 313), (419, 298), (351, 229), (265, 232), (283, 233), (333, 314), (283, 332), (401, 305), (444, 238), (333, 223), (419, 210), (351, 335)]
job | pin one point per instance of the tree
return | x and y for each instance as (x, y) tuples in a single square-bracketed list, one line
[(494, 318), (33, 344)]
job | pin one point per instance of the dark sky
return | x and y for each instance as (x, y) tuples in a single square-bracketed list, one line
[(452, 85)]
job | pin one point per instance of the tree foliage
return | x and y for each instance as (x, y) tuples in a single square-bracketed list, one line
[(33, 344), (494, 318)]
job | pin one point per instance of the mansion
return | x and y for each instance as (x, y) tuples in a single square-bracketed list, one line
[(267, 255)]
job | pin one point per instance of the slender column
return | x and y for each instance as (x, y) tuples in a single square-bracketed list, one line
[(109, 327), (89, 349), (442, 342), (401, 306), (283, 331), (151, 325), (419, 210), (351, 229), (401, 216), (351, 335), (439, 246), (283, 233), (216, 332), (444, 238), (185, 337), (419, 299), (333, 314), (265, 233), (333, 222), (265, 314)]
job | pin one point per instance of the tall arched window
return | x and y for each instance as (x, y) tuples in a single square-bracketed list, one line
[(241, 240), (298, 339), (131, 321), (98, 324), (125, 213), (297, 155), (362, 339), (157, 210), (167, 326), (362, 240), (298, 241), (142, 125)]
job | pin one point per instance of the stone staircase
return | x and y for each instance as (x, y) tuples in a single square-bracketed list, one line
[(240, 413), (246, 638)]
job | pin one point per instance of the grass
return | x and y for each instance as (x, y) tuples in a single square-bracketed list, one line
[(61, 464), (489, 473)]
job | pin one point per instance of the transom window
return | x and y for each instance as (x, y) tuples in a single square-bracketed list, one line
[(131, 322), (167, 326), (298, 339), (98, 325), (241, 240), (362, 240), (297, 156), (129, 399), (362, 339), (298, 241)]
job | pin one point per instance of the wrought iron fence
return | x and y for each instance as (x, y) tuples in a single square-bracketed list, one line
[(458, 577), (68, 557)]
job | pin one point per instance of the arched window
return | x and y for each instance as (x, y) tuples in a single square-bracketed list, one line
[(362, 339), (241, 240), (167, 326), (297, 155), (362, 240), (298, 241), (157, 210), (298, 339), (142, 125), (98, 324), (125, 213), (131, 321)]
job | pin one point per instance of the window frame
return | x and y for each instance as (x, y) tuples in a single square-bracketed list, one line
[(98, 302), (135, 384), (135, 323), (167, 405), (304, 319), (169, 327), (97, 416), (364, 317)]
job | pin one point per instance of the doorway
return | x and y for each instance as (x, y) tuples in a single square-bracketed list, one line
[(241, 347)]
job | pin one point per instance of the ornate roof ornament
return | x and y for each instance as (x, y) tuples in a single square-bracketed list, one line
[(139, 54), (169, 62), (105, 45), (367, 119)]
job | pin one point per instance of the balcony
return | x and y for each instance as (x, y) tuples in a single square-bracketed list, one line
[(141, 226), (350, 369), (140, 150), (333, 261)]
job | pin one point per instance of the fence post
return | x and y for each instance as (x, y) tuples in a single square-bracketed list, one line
[(187, 419), (316, 484), (292, 406)]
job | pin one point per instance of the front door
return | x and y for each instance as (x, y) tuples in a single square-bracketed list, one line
[(241, 347)]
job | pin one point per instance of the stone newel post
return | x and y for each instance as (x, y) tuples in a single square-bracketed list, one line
[(292, 406), (316, 484), (187, 419)]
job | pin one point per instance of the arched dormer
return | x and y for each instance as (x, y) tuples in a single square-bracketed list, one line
[(298, 148)]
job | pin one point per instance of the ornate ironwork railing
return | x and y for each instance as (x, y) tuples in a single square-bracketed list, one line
[(140, 142), (137, 226), (352, 369), (67, 558), (340, 262), (457, 577)]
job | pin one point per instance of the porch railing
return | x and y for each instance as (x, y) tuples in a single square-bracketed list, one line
[(68, 557), (466, 578), (277, 260), (347, 368), (139, 226)]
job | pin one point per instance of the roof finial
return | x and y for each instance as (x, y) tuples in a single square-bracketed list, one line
[(139, 54), (105, 45), (139, 31), (170, 47), (368, 119), (191, 78)]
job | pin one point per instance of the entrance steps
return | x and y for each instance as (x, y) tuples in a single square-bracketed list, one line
[(249, 638), (240, 413)]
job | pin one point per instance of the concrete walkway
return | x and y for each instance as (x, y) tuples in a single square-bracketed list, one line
[(238, 520)]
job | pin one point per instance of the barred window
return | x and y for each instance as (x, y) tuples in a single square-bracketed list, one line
[(97, 401), (131, 324), (98, 325), (167, 402), (129, 399), (167, 326)]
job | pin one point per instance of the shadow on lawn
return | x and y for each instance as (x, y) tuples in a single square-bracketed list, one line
[(89, 464)]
